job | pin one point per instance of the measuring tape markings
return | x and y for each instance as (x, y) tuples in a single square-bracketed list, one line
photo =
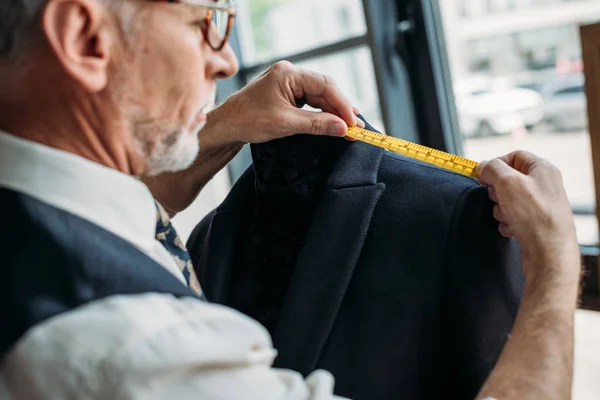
[(438, 158)]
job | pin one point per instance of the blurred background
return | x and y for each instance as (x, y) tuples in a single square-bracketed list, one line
[(478, 78)]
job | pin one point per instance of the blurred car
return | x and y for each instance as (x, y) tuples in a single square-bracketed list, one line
[(565, 103), (487, 109), (500, 124)]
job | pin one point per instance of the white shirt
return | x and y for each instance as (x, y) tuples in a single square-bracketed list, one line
[(119, 203), (150, 346)]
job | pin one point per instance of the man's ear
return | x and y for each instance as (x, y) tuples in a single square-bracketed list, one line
[(79, 34)]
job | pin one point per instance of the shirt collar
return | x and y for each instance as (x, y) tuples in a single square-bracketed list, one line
[(119, 203)]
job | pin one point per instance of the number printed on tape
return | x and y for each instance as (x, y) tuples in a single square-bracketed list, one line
[(438, 158)]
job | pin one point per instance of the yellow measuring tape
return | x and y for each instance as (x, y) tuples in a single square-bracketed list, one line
[(431, 156)]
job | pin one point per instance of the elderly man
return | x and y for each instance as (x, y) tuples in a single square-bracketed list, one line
[(94, 93)]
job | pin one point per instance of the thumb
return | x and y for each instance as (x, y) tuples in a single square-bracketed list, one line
[(316, 123), (490, 172)]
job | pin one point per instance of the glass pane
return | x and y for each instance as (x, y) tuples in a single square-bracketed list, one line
[(518, 83), (276, 28), (354, 74), (476, 8)]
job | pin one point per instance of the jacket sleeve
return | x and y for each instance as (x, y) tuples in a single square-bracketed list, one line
[(483, 289)]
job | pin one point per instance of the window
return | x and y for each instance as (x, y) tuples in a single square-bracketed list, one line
[(474, 77), (476, 8), (354, 74), (535, 98), (337, 37), (524, 49), (478, 77), (279, 28), (571, 90)]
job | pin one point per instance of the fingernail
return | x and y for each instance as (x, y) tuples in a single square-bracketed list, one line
[(336, 129)]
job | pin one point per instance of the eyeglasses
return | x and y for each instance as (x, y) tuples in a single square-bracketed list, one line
[(218, 21)]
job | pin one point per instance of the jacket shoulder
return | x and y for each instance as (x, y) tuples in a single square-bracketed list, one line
[(398, 166), (425, 194), (399, 172)]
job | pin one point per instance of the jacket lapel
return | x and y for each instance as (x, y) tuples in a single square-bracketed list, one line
[(328, 257)]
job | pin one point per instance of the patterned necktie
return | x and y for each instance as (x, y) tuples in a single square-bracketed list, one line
[(167, 236)]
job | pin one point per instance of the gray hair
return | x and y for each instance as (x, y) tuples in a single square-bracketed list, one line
[(17, 21)]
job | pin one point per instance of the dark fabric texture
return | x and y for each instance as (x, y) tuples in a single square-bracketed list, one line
[(53, 262), (289, 174), (389, 273)]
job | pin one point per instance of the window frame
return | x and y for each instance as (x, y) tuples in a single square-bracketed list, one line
[(410, 112), (412, 70), (590, 38), (395, 37)]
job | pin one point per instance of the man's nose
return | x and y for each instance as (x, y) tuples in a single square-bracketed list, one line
[(223, 64)]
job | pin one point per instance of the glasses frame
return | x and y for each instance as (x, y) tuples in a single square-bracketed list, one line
[(231, 9)]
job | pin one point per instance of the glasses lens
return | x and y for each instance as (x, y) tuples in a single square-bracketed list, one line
[(218, 29)]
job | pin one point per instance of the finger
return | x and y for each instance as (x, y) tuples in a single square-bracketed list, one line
[(492, 193), (355, 111), (322, 104), (313, 85), (522, 161), (316, 123), (505, 230), (361, 124), (499, 214), (490, 172)]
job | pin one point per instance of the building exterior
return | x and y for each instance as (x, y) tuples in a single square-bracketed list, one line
[(521, 38)]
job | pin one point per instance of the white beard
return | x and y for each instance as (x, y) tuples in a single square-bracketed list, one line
[(175, 152), (173, 155)]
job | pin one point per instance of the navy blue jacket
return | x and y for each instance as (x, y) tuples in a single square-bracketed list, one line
[(403, 288)]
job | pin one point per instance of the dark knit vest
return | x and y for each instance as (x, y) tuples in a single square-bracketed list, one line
[(53, 262)]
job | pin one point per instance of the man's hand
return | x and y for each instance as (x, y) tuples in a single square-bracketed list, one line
[(266, 108), (532, 204), (537, 361)]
